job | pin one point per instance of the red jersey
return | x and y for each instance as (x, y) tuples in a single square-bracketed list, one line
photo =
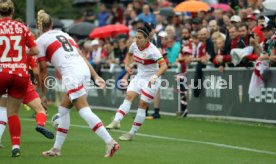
[(14, 37), (31, 62)]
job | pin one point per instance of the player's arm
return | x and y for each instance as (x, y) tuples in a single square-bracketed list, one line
[(128, 61), (33, 64), (92, 71), (30, 43), (34, 51), (42, 77), (99, 81), (162, 67), (36, 75)]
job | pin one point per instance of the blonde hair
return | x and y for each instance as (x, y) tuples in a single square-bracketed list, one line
[(6, 7), (44, 21)]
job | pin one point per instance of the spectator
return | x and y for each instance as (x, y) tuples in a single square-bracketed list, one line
[(159, 23), (173, 49), (137, 6), (177, 26), (215, 28), (201, 15), (269, 34), (236, 20), (163, 49), (269, 46), (251, 21), (104, 17), (250, 9), (205, 23), (186, 40), (110, 54), (227, 23), (198, 49), (170, 30), (245, 39), (214, 37), (183, 59), (97, 56), (188, 25), (244, 36), (234, 36), (262, 20), (147, 16), (133, 29), (223, 55), (117, 13), (218, 13), (121, 51), (204, 36), (196, 24), (89, 16), (133, 17)]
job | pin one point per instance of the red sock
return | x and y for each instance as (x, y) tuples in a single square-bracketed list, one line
[(15, 129), (41, 119)]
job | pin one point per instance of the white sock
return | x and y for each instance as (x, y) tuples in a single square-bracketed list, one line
[(3, 120), (15, 146), (63, 127), (95, 124), (138, 121), (122, 111)]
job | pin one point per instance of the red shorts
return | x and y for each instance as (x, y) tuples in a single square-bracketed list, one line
[(31, 93), (14, 85)]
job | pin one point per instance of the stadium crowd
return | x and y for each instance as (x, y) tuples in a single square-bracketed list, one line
[(237, 36), (207, 36)]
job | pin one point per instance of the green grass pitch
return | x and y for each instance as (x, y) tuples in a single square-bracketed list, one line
[(165, 141)]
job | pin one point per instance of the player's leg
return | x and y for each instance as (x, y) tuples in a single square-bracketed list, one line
[(14, 124), (123, 110), (183, 99), (63, 127), (16, 91), (156, 103), (133, 91), (35, 104), (96, 125), (41, 117), (32, 100), (138, 121), (147, 96), (3, 116)]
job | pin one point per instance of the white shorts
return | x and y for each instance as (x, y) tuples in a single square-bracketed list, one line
[(141, 87), (76, 86)]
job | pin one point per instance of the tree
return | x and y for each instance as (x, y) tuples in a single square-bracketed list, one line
[(62, 9)]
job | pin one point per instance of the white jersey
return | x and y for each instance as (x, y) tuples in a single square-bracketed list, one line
[(146, 59), (61, 50)]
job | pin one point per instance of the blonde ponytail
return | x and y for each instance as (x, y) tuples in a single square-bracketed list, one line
[(44, 21)]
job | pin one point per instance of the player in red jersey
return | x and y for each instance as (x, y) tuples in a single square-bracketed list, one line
[(32, 100), (62, 51), (14, 76)]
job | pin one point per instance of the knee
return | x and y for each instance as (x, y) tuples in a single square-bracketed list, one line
[(63, 111), (129, 97), (67, 105), (143, 104), (11, 113)]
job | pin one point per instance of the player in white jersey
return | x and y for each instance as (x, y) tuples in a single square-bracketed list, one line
[(150, 66), (61, 50)]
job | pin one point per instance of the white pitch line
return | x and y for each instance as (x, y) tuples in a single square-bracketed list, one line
[(184, 140)]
